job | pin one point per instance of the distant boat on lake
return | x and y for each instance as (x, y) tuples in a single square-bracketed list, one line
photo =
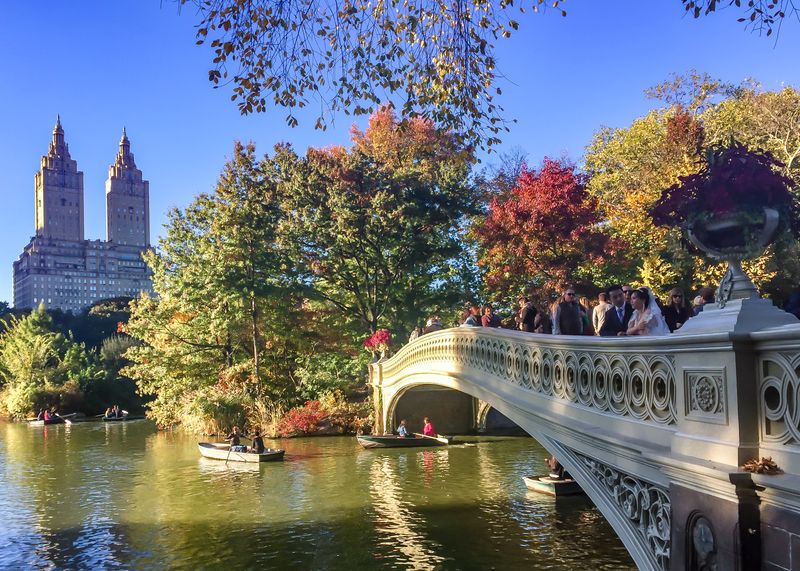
[(390, 441)]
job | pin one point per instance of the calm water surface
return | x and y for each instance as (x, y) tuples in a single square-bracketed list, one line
[(125, 496)]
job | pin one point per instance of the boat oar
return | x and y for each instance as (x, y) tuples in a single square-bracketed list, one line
[(436, 438)]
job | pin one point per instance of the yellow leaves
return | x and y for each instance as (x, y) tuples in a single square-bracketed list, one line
[(182, 317), (659, 274)]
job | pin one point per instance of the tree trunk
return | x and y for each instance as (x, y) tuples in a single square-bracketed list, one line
[(254, 323)]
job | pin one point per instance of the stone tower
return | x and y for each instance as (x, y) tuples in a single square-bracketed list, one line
[(59, 192), (127, 200)]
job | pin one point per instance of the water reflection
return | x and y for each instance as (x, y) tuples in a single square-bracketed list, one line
[(121, 495), (400, 530)]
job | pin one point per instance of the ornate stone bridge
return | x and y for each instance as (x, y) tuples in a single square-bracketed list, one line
[(655, 429)]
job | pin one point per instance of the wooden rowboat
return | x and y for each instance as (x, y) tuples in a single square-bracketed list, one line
[(123, 418), (46, 422), (390, 441), (222, 451), (552, 486), (65, 419)]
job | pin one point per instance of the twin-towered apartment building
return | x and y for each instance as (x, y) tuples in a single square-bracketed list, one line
[(60, 268)]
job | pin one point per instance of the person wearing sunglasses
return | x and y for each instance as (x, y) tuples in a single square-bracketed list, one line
[(568, 315), (676, 312)]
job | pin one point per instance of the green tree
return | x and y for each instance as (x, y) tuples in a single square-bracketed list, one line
[(38, 364), (221, 327), (375, 230)]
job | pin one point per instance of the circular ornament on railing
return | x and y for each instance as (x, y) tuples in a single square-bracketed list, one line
[(706, 395)]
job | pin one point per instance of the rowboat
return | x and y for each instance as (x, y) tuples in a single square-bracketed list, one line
[(65, 419), (222, 451), (46, 422), (390, 441), (553, 486), (123, 418)]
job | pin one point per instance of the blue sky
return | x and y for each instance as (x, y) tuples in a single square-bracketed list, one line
[(107, 64)]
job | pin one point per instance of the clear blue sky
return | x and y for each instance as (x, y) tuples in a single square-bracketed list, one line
[(107, 64)]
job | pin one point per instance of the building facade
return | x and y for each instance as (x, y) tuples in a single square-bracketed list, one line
[(60, 268)]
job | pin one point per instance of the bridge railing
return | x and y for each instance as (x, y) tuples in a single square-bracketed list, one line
[(626, 377), (707, 386)]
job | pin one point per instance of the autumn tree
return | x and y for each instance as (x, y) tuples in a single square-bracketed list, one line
[(544, 234), (631, 166), (375, 228)]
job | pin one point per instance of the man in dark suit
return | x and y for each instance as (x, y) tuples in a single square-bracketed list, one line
[(617, 317)]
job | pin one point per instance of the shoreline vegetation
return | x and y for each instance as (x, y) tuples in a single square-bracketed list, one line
[(267, 286)]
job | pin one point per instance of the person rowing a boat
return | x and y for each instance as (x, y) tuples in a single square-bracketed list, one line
[(257, 443), (114, 412), (428, 429), (233, 438), (402, 431)]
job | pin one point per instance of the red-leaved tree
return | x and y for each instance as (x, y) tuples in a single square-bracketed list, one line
[(544, 234)]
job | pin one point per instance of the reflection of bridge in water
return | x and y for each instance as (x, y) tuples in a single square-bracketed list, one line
[(654, 428)]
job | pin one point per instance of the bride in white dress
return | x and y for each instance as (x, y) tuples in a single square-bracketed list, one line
[(647, 318)]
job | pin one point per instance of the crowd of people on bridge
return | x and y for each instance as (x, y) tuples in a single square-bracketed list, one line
[(620, 310)]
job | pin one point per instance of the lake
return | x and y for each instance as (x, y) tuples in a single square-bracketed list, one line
[(126, 496)]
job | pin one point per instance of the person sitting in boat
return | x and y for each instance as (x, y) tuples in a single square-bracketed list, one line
[(233, 438), (52, 414), (41, 414), (556, 469), (402, 431), (428, 429), (257, 443)]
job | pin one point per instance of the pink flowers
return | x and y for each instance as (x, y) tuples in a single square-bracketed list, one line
[(379, 341)]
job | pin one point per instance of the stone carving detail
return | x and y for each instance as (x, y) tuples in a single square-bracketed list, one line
[(646, 506), (639, 385), (706, 397), (779, 397)]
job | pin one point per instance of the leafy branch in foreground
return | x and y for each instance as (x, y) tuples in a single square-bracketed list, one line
[(352, 56), (762, 16), (433, 58)]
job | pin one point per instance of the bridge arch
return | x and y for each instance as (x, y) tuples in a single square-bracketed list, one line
[(652, 428), (644, 530), (452, 411)]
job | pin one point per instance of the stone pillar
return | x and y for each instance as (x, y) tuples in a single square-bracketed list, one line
[(375, 377), (716, 511), (709, 532)]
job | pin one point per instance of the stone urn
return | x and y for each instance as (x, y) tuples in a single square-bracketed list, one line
[(735, 237)]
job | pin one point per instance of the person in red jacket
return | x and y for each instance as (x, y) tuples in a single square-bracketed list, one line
[(428, 429)]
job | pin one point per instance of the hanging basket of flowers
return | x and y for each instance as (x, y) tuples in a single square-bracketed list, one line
[(734, 207)]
